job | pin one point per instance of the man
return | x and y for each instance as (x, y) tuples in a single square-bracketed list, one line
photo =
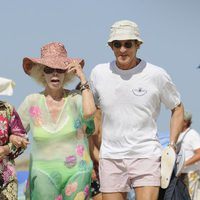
[(129, 92), (189, 140)]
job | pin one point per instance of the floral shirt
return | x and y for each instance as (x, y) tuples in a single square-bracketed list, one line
[(10, 123)]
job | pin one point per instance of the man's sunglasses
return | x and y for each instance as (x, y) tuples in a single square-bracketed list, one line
[(49, 70), (117, 44)]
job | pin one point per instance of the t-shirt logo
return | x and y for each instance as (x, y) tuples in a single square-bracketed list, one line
[(139, 91)]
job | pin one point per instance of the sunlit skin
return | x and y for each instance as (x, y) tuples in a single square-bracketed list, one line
[(54, 80), (126, 57), (54, 93)]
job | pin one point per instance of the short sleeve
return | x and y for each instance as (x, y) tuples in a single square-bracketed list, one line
[(16, 128), (169, 94), (195, 140)]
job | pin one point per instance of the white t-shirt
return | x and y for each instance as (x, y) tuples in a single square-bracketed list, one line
[(190, 142), (130, 101)]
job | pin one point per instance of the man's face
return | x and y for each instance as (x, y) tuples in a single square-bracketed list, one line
[(125, 52)]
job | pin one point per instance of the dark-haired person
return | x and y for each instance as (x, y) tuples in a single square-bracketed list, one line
[(130, 91)]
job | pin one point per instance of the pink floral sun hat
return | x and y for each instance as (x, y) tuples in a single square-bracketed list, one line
[(53, 55)]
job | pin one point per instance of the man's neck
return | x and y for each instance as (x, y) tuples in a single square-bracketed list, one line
[(133, 64)]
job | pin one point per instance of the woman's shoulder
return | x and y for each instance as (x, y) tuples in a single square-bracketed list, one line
[(34, 97)]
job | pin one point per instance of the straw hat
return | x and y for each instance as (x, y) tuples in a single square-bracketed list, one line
[(53, 55)]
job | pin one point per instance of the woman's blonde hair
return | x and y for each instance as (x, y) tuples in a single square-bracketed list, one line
[(37, 74)]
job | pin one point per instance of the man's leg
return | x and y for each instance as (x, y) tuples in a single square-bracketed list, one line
[(147, 193), (113, 182), (114, 196), (145, 177)]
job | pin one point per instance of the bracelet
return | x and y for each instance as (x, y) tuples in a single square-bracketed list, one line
[(11, 147), (84, 86), (172, 144)]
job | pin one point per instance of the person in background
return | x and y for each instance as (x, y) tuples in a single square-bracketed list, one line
[(129, 92), (13, 141), (189, 141), (59, 119)]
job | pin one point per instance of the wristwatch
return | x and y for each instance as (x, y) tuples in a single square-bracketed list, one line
[(172, 144)]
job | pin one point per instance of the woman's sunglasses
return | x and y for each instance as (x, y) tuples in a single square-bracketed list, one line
[(49, 70), (117, 44)]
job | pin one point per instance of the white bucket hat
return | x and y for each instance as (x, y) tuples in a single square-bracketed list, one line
[(124, 30), (6, 86)]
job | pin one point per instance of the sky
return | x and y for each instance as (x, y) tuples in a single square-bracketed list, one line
[(170, 31)]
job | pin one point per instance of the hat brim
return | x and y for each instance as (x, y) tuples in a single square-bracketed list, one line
[(56, 63), (124, 37)]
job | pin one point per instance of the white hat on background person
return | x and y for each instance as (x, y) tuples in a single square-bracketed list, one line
[(187, 116), (6, 86)]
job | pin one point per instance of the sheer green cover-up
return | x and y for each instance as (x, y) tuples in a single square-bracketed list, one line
[(60, 164)]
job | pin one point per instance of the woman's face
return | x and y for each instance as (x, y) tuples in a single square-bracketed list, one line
[(54, 77)]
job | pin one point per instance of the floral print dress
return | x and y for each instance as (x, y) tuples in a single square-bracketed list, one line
[(60, 164), (10, 123)]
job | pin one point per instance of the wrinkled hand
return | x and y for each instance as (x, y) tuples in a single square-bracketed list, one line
[(3, 152), (76, 69), (19, 141)]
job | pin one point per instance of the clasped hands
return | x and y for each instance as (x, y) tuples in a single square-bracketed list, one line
[(19, 141), (16, 140)]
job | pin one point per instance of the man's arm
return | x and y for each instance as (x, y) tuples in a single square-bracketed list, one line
[(194, 158), (176, 124)]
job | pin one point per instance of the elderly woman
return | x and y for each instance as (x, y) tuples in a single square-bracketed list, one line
[(60, 164), (11, 129)]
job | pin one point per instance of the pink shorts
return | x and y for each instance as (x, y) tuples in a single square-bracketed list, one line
[(119, 175)]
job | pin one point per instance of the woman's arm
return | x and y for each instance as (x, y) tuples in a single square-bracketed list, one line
[(89, 107), (18, 136)]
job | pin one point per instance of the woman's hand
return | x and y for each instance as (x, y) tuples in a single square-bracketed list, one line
[(88, 104), (77, 70), (4, 151), (19, 141)]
